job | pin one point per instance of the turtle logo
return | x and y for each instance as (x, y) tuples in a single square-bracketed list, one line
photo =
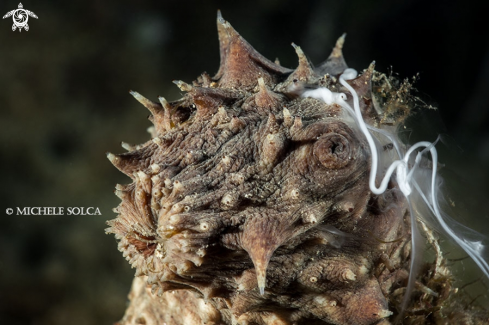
[(20, 17)]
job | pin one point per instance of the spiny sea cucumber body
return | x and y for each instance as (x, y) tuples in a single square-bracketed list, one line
[(251, 205)]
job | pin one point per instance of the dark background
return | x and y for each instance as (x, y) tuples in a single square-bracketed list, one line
[(64, 102)]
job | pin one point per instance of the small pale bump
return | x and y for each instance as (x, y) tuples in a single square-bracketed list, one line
[(221, 110), (112, 158), (152, 131), (142, 175), (261, 84), (160, 292), (154, 288), (177, 186), (155, 179), (201, 252), (184, 267), (140, 193), (175, 219), (297, 123), (294, 193), (236, 124), (152, 279), (349, 275), (120, 194), (237, 179), (138, 272), (182, 85), (384, 313), (157, 141), (226, 160), (288, 119), (270, 138), (362, 270), (177, 208), (127, 146), (310, 218), (168, 183), (227, 199), (313, 279), (204, 226), (197, 261), (155, 168), (155, 206), (165, 191)]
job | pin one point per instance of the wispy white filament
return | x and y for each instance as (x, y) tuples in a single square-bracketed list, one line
[(404, 173)]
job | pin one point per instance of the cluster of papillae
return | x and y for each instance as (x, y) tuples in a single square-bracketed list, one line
[(258, 200)]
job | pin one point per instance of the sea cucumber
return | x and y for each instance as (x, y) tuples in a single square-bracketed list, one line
[(251, 204)]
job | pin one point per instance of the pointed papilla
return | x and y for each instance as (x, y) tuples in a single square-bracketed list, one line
[(363, 84), (304, 71), (262, 235), (208, 100), (153, 107), (128, 163), (241, 65), (266, 98), (223, 42), (182, 85), (159, 112), (335, 64)]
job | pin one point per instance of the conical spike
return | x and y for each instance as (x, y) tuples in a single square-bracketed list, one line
[(296, 130), (335, 64), (261, 237), (158, 112), (205, 80), (166, 118), (304, 71), (127, 146), (338, 49), (128, 163), (182, 85), (266, 98), (272, 124), (164, 103), (363, 84), (288, 119), (223, 42), (241, 64), (153, 107), (113, 158), (208, 100)]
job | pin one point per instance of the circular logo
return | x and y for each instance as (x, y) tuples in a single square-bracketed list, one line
[(10, 211), (20, 18)]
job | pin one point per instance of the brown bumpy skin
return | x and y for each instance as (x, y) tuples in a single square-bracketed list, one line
[(247, 187)]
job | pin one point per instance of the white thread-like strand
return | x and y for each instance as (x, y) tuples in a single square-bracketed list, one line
[(404, 174)]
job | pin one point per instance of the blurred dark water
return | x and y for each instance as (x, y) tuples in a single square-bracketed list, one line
[(64, 102)]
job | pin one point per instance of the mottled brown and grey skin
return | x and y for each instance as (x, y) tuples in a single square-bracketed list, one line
[(245, 186)]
